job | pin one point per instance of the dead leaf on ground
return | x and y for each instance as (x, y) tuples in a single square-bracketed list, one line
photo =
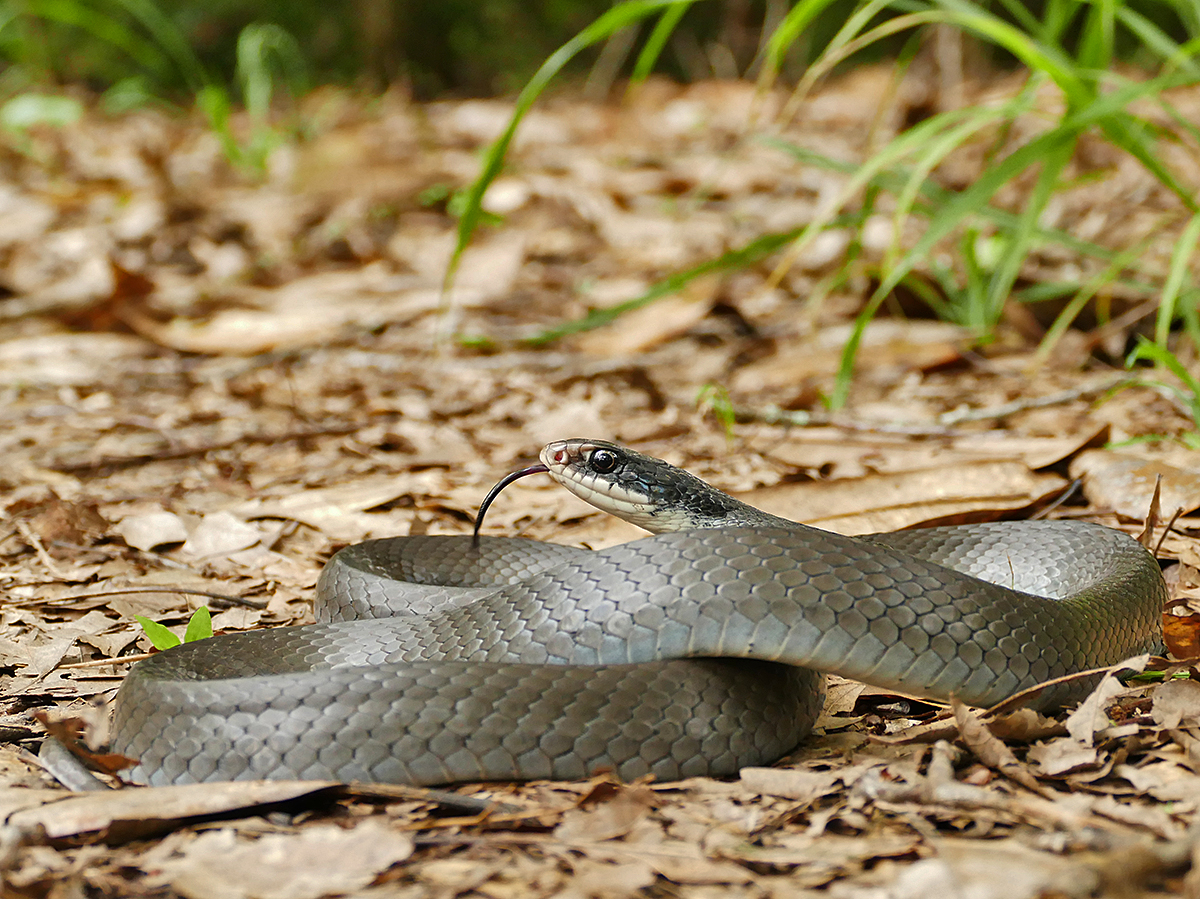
[(890, 502), (139, 812), (1126, 482), (312, 862)]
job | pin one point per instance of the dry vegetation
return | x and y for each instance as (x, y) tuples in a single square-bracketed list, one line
[(211, 383)]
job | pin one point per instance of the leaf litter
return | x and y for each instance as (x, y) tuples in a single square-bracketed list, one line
[(211, 385)]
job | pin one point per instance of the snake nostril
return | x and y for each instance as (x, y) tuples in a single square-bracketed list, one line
[(561, 456)]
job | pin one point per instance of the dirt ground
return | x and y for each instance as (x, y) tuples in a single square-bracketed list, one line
[(212, 381)]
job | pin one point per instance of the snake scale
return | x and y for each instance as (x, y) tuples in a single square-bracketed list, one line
[(694, 651)]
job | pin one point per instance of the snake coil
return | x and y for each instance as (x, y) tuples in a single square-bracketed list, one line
[(695, 651)]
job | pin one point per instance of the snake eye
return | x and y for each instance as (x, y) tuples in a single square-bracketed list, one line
[(602, 460)]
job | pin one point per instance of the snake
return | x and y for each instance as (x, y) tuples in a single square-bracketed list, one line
[(696, 651)]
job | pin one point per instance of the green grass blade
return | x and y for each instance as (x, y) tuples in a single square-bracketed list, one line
[(935, 197), (1130, 134), (1157, 41), (1181, 257), (1025, 19), (961, 207), (1041, 57), (104, 28), (167, 35), (652, 49), (1106, 277), (618, 17), (1099, 36), (1022, 237), (798, 18)]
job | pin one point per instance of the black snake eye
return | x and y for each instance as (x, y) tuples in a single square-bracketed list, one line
[(602, 460)]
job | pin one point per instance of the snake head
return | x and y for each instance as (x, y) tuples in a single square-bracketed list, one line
[(640, 489)]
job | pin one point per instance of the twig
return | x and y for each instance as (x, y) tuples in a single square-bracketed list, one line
[(957, 416), (35, 542), (183, 450), (940, 427), (185, 591), (100, 663), (1018, 699)]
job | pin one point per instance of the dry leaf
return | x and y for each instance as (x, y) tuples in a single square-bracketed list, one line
[(1127, 483), (990, 750), (134, 813), (891, 502), (1176, 704), (313, 862)]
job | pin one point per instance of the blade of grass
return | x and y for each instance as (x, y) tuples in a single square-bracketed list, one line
[(1083, 296), (1157, 41), (978, 195), (105, 28), (613, 20), (1037, 56), (951, 216), (1021, 238), (898, 148), (652, 49), (798, 18), (936, 196), (1181, 256), (172, 41)]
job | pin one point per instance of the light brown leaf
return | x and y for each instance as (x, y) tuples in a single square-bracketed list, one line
[(990, 750), (315, 861), (890, 502), (126, 814), (1176, 704), (1127, 482)]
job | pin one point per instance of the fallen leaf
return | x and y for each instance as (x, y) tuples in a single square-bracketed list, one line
[(315, 861), (148, 530), (219, 535), (1176, 704), (1058, 756), (1126, 483), (988, 749), (121, 815), (891, 502), (606, 820)]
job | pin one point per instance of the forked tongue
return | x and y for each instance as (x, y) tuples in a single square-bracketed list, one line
[(495, 491)]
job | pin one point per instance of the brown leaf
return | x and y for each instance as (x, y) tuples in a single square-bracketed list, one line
[(1176, 704), (968, 491), (1128, 483), (645, 328), (990, 750), (1181, 631), (70, 734), (314, 861), (1058, 756), (121, 815), (608, 819), (790, 783), (1091, 717)]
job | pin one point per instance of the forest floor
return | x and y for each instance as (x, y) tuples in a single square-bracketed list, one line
[(212, 381)]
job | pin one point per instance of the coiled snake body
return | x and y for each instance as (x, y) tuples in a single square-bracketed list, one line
[(695, 651)]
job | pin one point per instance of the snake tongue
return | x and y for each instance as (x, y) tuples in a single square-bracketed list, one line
[(495, 491)]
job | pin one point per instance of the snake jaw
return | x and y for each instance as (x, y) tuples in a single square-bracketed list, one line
[(602, 475), (628, 484)]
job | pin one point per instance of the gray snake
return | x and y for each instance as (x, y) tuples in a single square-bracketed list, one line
[(694, 651)]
